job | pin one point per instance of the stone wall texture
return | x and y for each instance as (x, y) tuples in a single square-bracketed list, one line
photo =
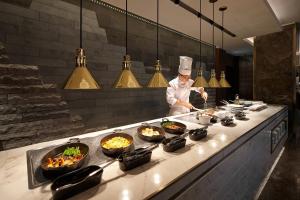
[(31, 111), (45, 33)]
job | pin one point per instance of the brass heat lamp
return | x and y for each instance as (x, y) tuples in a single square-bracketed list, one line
[(126, 78), (81, 78), (213, 82), (200, 81), (158, 80), (223, 82)]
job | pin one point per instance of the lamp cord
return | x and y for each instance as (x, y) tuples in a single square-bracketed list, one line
[(222, 36), (213, 34), (157, 22), (126, 26), (80, 25), (200, 35)]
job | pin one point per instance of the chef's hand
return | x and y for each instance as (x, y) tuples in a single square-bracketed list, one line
[(185, 104), (204, 95)]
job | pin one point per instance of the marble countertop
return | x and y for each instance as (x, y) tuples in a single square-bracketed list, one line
[(142, 182)]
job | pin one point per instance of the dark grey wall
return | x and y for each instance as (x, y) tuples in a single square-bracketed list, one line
[(46, 33)]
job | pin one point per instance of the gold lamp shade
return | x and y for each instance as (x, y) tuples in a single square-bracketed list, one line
[(81, 78), (158, 80), (213, 82), (126, 78), (223, 81), (200, 80)]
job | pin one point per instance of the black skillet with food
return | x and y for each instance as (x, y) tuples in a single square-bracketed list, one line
[(79, 180), (150, 133), (173, 127), (65, 158), (117, 143)]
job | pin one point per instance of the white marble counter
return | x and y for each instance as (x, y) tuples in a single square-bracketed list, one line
[(142, 182)]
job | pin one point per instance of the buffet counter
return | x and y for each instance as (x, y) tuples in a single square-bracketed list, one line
[(228, 159)]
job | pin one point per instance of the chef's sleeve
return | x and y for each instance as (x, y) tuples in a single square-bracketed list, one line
[(170, 95)]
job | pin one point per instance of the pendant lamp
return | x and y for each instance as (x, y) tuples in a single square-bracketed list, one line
[(81, 78), (223, 82), (158, 80), (200, 80), (126, 78), (213, 82)]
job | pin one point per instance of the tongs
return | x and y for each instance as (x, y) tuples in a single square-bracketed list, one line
[(224, 102)]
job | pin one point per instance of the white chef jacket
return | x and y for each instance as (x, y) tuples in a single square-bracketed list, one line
[(176, 92)]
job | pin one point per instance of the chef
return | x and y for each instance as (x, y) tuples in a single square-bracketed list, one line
[(180, 88)]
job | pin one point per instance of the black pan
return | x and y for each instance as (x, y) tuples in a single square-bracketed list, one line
[(84, 149), (115, 152), (178, 131), (155, 138), (77, 181)]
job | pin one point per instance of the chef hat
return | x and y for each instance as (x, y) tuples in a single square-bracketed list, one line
[(185, 66)]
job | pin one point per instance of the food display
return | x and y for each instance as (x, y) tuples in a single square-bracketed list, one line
[(173, 127), (149, 132), (65, 158), (70, 156), (116, 142)]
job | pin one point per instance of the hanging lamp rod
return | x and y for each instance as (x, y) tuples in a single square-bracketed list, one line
[(200, 15)]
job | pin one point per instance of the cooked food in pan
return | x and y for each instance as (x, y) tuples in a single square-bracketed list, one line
[(149, 132), (116, 142), (171, 125), (70, 156)]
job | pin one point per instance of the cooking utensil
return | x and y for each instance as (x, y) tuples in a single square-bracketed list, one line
[(227, 121), (224, 102), (77, 181), (115, 152), (136, 158), (240, 115), (74, 142), (197, 109), (178, 131), (174, 143), (154, 138), (198, 134)]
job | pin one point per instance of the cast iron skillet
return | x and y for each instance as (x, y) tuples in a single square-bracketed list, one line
[(79, 180), (115, 152), (178, 131), (84, 149), (155, 138)]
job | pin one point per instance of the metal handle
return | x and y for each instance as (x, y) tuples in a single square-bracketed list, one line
[(118, 131), (165, 120), (74, 140)]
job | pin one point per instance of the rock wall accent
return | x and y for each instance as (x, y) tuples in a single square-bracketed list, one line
[(3, 56), (31, 111), (274, 67)]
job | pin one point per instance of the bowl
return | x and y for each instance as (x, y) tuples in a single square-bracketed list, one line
[(204, 119)]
